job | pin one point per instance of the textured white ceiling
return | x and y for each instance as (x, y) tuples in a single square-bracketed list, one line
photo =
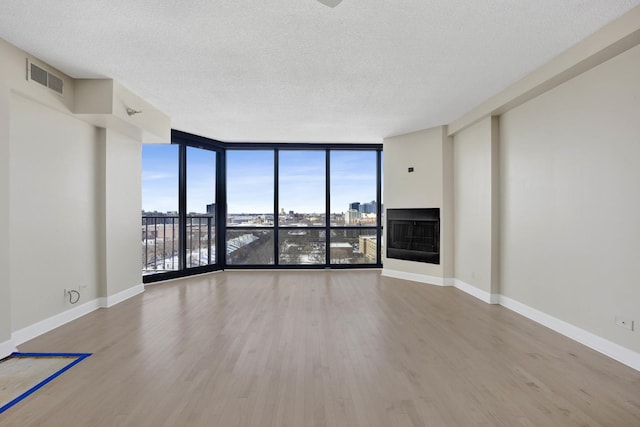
[(296, 70)]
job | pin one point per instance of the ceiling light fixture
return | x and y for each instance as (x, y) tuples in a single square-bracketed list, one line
[(330, 3)]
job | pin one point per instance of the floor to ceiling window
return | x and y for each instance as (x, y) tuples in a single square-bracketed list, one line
[(201, 207), (259, 206), (302, 207), (160, 235), (354, 207), (250, 191)]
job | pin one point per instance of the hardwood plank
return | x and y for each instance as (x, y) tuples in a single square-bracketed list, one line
[(322, 348)]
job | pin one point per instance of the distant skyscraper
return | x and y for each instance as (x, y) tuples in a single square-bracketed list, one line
[(367, 208), (355, 206)]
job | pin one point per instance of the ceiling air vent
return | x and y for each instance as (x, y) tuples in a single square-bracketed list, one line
[(45, 78)]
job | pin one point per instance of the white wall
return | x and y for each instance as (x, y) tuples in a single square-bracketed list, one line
[(476, 205), (571, 200), (546, 192), (429, 152), (54, 212), (122, 207), (423, 187), (70, 200), (5, 290)]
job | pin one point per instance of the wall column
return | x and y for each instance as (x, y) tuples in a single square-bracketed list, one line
[(121, 169), (495, 209), (6, 344), (477, 209)]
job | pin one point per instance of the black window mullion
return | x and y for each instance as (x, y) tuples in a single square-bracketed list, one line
[(276, 207), (379, 203), (221, 209), (182, 206), (327, 193)]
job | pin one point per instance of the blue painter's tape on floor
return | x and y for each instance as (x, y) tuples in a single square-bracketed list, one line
[(79, 357)]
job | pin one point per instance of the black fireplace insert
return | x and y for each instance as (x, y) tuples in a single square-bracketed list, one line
[(414, 234)]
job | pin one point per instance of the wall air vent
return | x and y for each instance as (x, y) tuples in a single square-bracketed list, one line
[(45, 78), (38, 74), (55, 83)]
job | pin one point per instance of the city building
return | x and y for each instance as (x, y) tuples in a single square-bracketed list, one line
[(351, 217), (519, 122), (368, 246), (367, 208), (341, 252)]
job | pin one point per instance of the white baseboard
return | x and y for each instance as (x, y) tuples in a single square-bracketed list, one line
[(448, 281), (604, 346), (422, 278), (608, 348), (6, 348), (114, 299), (46, 325), (485, 296)]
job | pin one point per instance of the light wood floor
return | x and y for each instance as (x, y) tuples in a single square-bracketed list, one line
[(342, 348)]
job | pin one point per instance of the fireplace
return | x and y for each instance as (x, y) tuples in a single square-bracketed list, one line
[(414, 234)]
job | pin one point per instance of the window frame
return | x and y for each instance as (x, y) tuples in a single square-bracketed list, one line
[(185, 140)]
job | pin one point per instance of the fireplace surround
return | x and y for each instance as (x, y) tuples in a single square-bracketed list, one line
[(414, 234)]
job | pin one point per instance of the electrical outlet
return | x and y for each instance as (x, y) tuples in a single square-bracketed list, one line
[(625, 323)]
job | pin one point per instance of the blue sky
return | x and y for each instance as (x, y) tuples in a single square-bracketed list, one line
[(250, 179), (160, 177)]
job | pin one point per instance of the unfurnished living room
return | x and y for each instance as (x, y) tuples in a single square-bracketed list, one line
[(320, 213)]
